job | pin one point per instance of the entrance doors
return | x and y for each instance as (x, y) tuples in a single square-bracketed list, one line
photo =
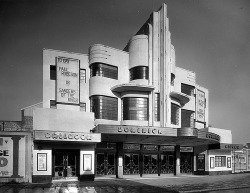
[(105, 163), (131, 163), (186, 162), (150, 164), (167, 164), (65, 163)]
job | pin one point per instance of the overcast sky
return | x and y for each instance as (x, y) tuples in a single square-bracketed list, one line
[(211, 38)]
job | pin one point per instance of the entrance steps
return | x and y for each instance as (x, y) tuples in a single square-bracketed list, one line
[(64, 179)]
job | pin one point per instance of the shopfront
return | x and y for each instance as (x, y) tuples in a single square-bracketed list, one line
[(141, 159), (64, 155)]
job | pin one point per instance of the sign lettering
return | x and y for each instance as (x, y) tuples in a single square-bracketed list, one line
[(139, 130), (201, 104), (67, 80), (67, 136)]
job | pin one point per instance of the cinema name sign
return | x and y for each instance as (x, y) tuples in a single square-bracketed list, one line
[(66, 136)]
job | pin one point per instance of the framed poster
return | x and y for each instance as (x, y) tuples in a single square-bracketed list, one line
[(229, 162), (87, 162), (200, 162), (211, 162), (42, 162)]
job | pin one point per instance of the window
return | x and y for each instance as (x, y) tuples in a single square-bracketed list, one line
[(220, 161), (187, 89), (52, 72), (105, 70), (139, 72), (174, 114), (82, 75), (83, 107), (187, 118), (52, 104), (172, 79), (104, 107), (135, 109), (157, 107)]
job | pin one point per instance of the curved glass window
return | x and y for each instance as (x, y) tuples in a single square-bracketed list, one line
[(105, 70), (104, 107), (135, 109), (187, 118), (139, 72)]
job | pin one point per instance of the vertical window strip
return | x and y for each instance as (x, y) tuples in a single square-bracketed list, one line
[(157, 107), (174, 114), (83, 75), (52, 72)]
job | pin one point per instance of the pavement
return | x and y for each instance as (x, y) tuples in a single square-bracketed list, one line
[(171, 184)]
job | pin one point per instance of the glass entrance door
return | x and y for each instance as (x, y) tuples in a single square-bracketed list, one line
[(105, 163), (150, 164), (167, 164), (65, 163), (186, 162), (131, 163)]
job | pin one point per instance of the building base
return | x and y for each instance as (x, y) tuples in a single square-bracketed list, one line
[(88, 177), (41, 179)]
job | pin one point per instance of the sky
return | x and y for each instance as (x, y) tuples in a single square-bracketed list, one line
[(211, 38)]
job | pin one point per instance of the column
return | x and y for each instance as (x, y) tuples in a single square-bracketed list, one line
[(15, 156), (119, 153), (177, 160)]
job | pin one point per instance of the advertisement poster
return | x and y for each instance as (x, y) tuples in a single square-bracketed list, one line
[(200, 162), (42, 162), (6, 157), (200, 105), (67, 81), (87, 162)]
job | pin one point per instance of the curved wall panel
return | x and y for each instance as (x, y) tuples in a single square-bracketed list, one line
[(138, 51)]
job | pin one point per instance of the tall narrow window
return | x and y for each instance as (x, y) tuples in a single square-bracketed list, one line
[(105, 70), (157, 107), (135, 109), (52, 104), (52, 72), (172, 79), (174, 114), (187, 118), (139, 72), (83, 75), (104, 107)]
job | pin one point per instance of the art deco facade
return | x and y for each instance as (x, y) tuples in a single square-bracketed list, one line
[(121, 112)]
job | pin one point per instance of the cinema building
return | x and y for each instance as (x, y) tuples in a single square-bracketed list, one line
[(116, 112)]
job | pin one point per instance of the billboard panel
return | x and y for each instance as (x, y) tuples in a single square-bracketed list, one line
[(200, 106), (67, 71)]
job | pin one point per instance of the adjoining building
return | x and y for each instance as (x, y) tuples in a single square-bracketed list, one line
[(116, 112)]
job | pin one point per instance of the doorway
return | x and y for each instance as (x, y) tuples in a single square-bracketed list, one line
[(65, 163), (150, 163), (105, 163), (167, 164), (131, 163)]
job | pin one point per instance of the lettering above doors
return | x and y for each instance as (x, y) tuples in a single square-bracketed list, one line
[(66, 136)]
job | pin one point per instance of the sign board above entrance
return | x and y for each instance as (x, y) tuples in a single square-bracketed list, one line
[(232, 147), (136, 130), (66, 136)]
